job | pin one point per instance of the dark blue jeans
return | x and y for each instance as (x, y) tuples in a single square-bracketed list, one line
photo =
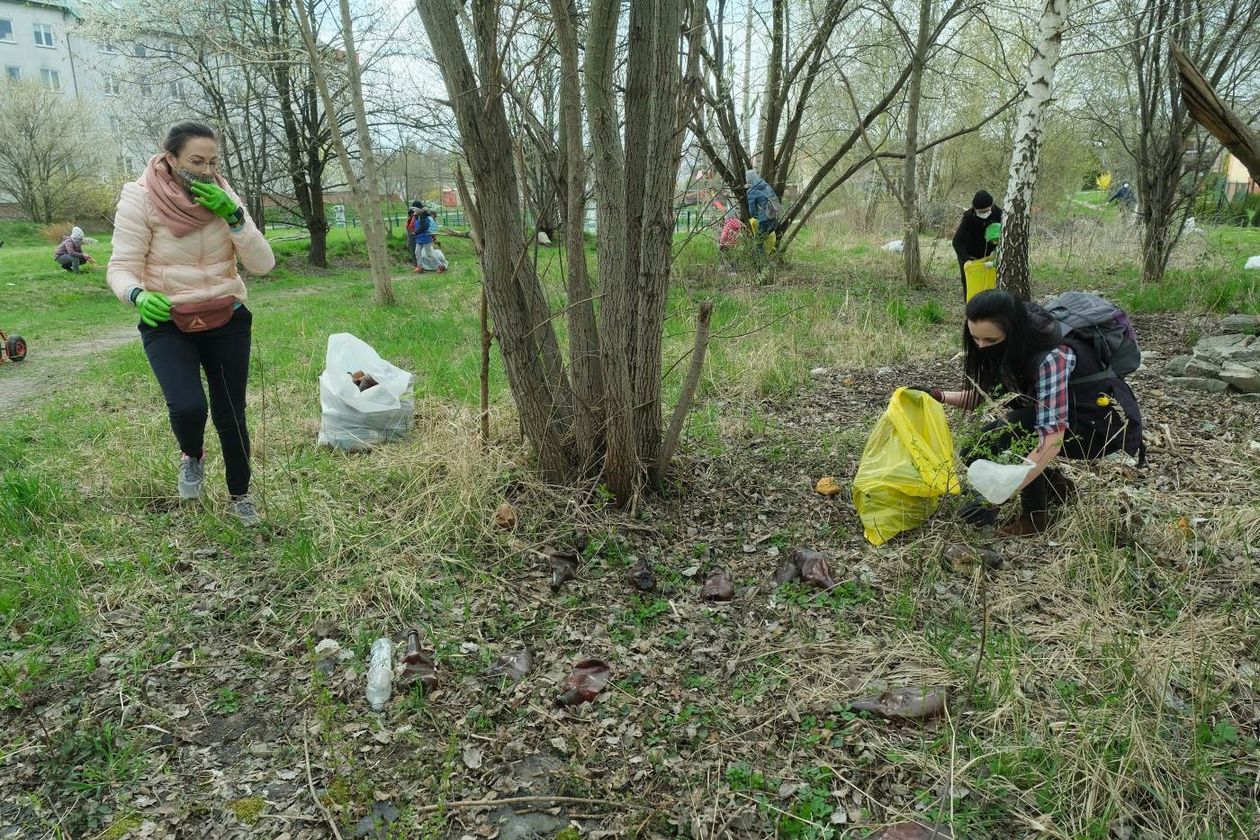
[(178, 359)]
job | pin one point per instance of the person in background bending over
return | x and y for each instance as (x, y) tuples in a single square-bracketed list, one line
[(970, 242), (428, 257), (178, 233), (69, 254)]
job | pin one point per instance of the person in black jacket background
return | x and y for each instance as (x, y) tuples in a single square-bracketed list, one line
[(969, 240)]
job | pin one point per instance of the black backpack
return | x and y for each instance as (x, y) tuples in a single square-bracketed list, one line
[(1105, 325)]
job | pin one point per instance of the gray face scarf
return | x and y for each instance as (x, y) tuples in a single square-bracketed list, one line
[(187, 177)]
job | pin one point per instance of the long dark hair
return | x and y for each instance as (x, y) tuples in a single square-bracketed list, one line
[(1030, 333), (182, 132)]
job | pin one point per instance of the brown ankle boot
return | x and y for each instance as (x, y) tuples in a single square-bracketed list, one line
[(1028, 525)]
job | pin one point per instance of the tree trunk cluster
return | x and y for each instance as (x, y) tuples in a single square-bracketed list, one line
[(600, 411)]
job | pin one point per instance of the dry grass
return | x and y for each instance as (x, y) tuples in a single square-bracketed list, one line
[(1117, 694)]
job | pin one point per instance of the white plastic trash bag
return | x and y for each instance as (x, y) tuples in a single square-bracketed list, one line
[(1253, 262), (997, 482), (896, 246), (355, 420)]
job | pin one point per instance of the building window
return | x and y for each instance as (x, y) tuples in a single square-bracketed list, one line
[(50, 78), (6, 31), (146, 89), (115, 124), (176, 90), (44, 35), (142, 51), (113, 87), (13, 72)]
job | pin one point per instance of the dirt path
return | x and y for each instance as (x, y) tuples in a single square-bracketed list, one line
[(48, 369)]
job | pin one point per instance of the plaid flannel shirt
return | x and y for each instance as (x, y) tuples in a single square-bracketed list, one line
[(1052, 390)]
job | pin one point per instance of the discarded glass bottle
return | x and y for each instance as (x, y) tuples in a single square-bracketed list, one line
[(417, 664), (380, 673), (584, 683), (642, 577)]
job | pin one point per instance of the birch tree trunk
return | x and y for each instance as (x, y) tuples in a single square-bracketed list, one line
[(1013, 269)]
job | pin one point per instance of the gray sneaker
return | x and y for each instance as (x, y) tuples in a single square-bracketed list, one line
[(192, 474), (242, 507)]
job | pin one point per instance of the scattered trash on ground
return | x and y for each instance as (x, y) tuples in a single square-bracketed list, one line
[(963, 559), (717, 586), (515, 665), (904, 703), (827, 486), (584, 683), (564, 563), (380, 673), (641, 575), (416, 665)]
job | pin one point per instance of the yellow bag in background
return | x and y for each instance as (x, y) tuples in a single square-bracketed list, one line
[(981, 275), (771, 242), (908, 464)]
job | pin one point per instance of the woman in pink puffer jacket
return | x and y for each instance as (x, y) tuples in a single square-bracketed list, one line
[(178, 232)]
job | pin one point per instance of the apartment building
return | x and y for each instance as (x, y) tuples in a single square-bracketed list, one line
[(38, 42)]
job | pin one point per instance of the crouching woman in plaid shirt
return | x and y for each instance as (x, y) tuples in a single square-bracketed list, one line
[(1061, 393)]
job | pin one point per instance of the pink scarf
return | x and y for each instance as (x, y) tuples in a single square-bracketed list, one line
[(171, 199)]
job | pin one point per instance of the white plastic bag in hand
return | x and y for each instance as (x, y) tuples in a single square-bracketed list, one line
[(998, 482), (352, 419)]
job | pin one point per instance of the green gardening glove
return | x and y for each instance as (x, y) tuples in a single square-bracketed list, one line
[(215, 199), (154, 307), (993, 232)]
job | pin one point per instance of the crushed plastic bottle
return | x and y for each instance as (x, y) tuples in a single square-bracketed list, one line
[(514, 665), (961, 558), (380, 673), (717, 586), (584, 683), (564, 565), (813, 568)]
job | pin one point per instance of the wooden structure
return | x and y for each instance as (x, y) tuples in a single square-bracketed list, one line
[(1214, 115)]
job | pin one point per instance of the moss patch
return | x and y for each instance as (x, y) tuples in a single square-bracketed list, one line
[(248, 809)]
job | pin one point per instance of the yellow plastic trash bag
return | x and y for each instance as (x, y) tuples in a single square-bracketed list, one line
[(981, 275), (908, 464), (771, 242)]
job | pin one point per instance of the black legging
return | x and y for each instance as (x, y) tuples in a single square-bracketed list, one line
[(996, 437), (177, 359)]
